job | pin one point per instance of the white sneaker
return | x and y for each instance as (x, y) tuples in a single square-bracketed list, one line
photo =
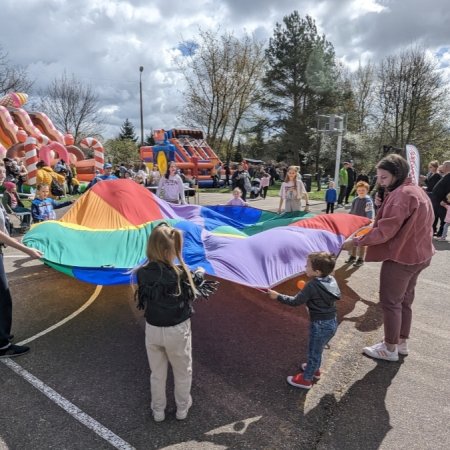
[(380, 351), (181, 415), (158, 416), (403, 348)]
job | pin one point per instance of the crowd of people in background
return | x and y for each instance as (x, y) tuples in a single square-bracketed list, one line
[(252, 181)]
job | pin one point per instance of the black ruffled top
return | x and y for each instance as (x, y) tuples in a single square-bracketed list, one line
[(157, 294)]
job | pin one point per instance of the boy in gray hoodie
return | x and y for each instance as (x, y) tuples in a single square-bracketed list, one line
[(319, 295)]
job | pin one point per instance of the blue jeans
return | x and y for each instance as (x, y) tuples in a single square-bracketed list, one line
[(320, 333)]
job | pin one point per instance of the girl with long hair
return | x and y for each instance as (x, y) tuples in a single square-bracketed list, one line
[(166, 290), (170, 186), (401, 238), (292, 191)]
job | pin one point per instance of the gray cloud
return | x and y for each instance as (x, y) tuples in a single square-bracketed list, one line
[(103, 42)]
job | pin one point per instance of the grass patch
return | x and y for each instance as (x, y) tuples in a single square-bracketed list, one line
[(274, 191)]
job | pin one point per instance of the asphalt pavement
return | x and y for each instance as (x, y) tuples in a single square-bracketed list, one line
[(85, 383)]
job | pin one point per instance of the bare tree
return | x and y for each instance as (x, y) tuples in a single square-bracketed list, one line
[(363, 83), (413, 102), (223, 76), (72, 106), (12, 78)]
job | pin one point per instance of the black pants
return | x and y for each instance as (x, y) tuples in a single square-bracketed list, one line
[(439, 216), (348, 192), (5, 306), (342, 192), (330, 208), (264, 191)]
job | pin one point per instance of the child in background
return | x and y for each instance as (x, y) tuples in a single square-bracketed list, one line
[(13, 205), (166, 292), (362, 205), (320, 296), (330, 197), (265, 181), (237, 198), (170, 187), (446, 205), (43, 207), (291, 192)]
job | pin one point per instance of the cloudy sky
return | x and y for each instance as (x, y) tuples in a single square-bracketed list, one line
[(103, 42)]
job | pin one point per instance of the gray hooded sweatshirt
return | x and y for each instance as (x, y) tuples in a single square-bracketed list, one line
[(319, 295)]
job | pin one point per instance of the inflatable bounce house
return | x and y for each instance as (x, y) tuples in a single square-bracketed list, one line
[(33, 137), (188, 149)]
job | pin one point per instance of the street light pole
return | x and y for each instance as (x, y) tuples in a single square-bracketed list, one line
[(339, 121), (338, 158), (141, 69)]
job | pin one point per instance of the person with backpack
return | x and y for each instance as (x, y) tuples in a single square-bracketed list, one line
[(46, 175)]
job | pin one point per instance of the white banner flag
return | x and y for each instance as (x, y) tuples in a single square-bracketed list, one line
[(413, 157)]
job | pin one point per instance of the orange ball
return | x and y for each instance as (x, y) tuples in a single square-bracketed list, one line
[(301, 284)]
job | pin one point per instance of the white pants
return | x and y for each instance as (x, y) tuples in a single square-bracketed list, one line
[(292, 205), (174, 345)]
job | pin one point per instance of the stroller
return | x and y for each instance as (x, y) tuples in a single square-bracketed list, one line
[(255, 189)]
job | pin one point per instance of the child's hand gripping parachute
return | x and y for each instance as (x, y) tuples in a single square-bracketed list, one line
[(204, 287)]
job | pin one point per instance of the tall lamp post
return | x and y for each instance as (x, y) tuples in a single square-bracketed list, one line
[(141, 69)]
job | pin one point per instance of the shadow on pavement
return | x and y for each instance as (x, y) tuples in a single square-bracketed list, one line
[(360, 420), (371, 319)]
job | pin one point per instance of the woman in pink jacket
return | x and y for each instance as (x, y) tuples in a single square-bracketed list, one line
[(402, 239)]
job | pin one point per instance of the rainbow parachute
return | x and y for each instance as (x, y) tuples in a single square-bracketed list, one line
[(105, 233)]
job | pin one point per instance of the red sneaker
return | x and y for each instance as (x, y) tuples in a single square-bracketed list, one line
[(299, 381), (316, 375)]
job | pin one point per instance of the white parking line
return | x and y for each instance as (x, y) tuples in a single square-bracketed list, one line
[(65, 320), (69, 407), (65, 404)]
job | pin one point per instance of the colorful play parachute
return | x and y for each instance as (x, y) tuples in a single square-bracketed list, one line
[(104, 235)]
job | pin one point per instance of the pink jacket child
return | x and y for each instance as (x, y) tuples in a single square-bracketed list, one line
[(265, 181)]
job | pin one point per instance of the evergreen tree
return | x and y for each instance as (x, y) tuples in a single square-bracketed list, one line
[(300, 81), (119, 151), (255, 140), (238, 153), (127, 132), (149, 139)]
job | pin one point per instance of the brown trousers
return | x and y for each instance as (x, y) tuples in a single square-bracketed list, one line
[(397, 284)]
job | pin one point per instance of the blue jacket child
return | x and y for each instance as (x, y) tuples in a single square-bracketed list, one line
[(331, 195), (43, 207)]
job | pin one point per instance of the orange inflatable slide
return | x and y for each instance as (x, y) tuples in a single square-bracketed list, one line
[(49, 144)]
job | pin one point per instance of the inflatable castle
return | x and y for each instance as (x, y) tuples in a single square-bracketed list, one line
[(33, 137), (187, 148)]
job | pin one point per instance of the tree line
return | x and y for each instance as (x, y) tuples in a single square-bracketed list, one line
[(264, 99)]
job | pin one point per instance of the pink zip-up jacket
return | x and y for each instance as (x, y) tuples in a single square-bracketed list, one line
[(402, 231)]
